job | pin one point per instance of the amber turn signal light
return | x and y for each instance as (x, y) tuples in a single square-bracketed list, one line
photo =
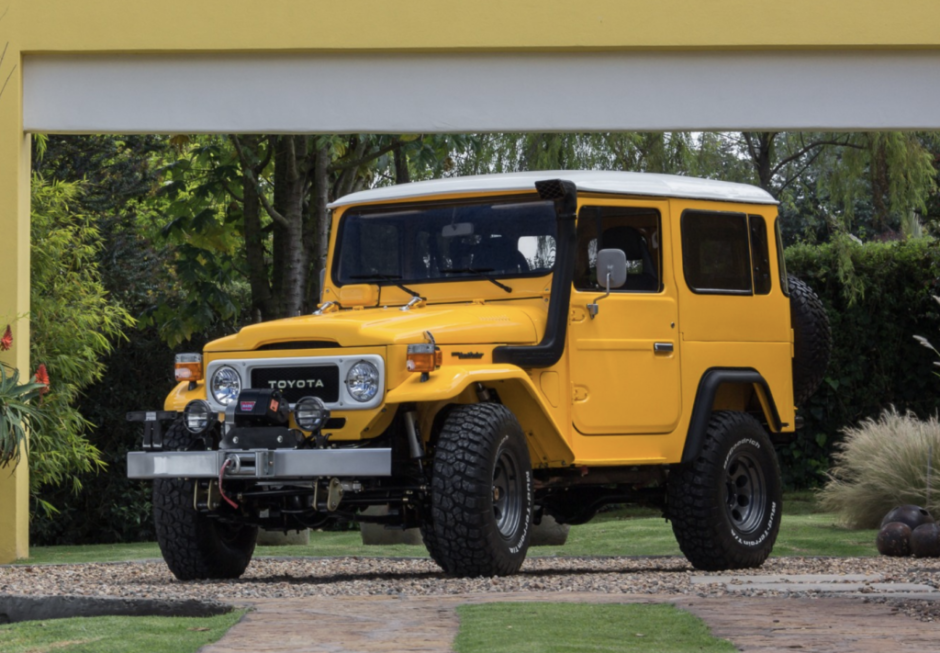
[(189, 367), (424, 358)]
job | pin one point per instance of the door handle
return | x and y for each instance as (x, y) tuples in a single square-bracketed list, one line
[(663, 347)]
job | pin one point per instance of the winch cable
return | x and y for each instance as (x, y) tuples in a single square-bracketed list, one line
[(225, 465)]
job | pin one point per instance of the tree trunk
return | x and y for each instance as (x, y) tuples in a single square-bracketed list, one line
[(262, 306), (290, 264), (402, 174), (760, 146), (321, 196)]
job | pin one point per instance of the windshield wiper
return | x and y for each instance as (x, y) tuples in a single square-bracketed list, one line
[(478, 271), (409, 290)]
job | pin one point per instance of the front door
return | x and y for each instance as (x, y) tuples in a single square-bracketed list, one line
[(625, 361)]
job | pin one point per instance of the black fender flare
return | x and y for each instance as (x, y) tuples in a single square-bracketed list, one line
[(708, 386)]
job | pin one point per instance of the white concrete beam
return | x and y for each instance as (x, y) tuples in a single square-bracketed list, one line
[(400, 93)]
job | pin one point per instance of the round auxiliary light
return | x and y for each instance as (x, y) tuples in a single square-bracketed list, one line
[(197, 416), (311, 413), (362, 381), (225, 385)]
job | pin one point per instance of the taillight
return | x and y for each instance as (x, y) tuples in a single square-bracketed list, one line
[(189, 367)]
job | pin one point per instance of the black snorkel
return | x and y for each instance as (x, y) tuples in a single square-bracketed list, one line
[(549, 351)]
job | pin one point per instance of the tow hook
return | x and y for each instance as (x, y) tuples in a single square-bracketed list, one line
[(334, 494)]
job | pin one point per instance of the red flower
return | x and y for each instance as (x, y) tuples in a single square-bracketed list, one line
[(7, 340), (42, 376)]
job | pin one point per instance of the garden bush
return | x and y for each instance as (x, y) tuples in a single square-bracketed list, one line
[(876, 363), (881, 464)]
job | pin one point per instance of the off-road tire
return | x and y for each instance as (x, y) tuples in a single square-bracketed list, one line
[(704, 498), (812, 340), (475, 530), (194, 546)]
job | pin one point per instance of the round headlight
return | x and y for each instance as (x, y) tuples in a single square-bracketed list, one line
[(311, 413), (197, 416), (362, 381), (225, 385)]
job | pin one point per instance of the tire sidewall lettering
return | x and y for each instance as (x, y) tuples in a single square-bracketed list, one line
[(769, 519)]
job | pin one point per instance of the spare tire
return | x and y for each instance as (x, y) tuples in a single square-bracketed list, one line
[(812, 340)]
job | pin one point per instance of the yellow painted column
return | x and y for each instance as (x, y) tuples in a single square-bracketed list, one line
[(14, 279)]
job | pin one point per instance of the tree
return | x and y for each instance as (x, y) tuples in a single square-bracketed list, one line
[(247, 218)]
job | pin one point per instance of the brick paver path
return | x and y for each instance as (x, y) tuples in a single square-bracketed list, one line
[(429, 624)]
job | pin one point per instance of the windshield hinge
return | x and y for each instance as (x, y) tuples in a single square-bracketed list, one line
[(414, 301)]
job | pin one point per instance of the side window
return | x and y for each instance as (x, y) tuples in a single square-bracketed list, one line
[(716, 255), (635, 231), (760, 254), (781, 260)]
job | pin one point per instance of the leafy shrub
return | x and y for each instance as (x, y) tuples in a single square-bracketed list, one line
[(876, 363), (881, 464), (73, 323), (112, 508)]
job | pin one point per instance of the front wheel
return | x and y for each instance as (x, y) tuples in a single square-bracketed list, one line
[(725, 506), (194, 545), (481, 493)]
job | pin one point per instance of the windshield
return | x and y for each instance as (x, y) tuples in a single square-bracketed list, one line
[(446, 243)]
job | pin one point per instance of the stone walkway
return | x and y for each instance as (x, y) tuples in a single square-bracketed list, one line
[(429, 624)]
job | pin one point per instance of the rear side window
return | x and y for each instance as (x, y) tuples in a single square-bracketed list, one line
[(781, 261), (716, 255), (760, 255)]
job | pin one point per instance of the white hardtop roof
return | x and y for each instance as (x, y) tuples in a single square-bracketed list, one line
[(617, 183)]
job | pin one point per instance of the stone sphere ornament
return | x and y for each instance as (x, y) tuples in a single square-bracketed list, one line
[(894, 540), (913, 516), (925, 541)]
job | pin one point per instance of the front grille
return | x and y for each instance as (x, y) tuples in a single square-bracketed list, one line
[(295, 382)]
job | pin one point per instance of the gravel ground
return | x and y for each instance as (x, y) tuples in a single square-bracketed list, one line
[(298, 577)]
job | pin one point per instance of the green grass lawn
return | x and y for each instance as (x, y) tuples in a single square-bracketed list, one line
[(628, 532), (115, 634), (580, 628)]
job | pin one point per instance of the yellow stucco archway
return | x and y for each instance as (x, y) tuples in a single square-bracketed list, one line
[(114, 65)]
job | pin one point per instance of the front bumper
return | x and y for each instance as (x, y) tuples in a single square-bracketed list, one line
[(266, 464)]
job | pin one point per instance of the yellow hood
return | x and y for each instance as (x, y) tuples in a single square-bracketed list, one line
[(452, 324)]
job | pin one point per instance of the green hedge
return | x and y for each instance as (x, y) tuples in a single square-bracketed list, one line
[(875, 361)]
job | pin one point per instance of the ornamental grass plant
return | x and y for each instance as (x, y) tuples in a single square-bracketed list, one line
[(883, 463)]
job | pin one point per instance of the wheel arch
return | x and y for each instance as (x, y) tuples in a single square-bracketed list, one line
[(513, 387), (741, 386)]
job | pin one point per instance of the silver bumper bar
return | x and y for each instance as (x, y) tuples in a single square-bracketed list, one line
[(260, 464)]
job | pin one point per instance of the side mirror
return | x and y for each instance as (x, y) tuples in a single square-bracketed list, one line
[(611, 271), (611, 268)]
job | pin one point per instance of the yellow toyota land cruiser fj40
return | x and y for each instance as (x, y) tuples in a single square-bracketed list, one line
[(490, 350)]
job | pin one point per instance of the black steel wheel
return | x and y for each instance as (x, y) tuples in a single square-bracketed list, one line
[(481, 493), (725, 506), (194, 545)]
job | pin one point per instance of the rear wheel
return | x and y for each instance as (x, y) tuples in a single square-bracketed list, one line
[(481, 493), (725, 506), (194, 545)]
